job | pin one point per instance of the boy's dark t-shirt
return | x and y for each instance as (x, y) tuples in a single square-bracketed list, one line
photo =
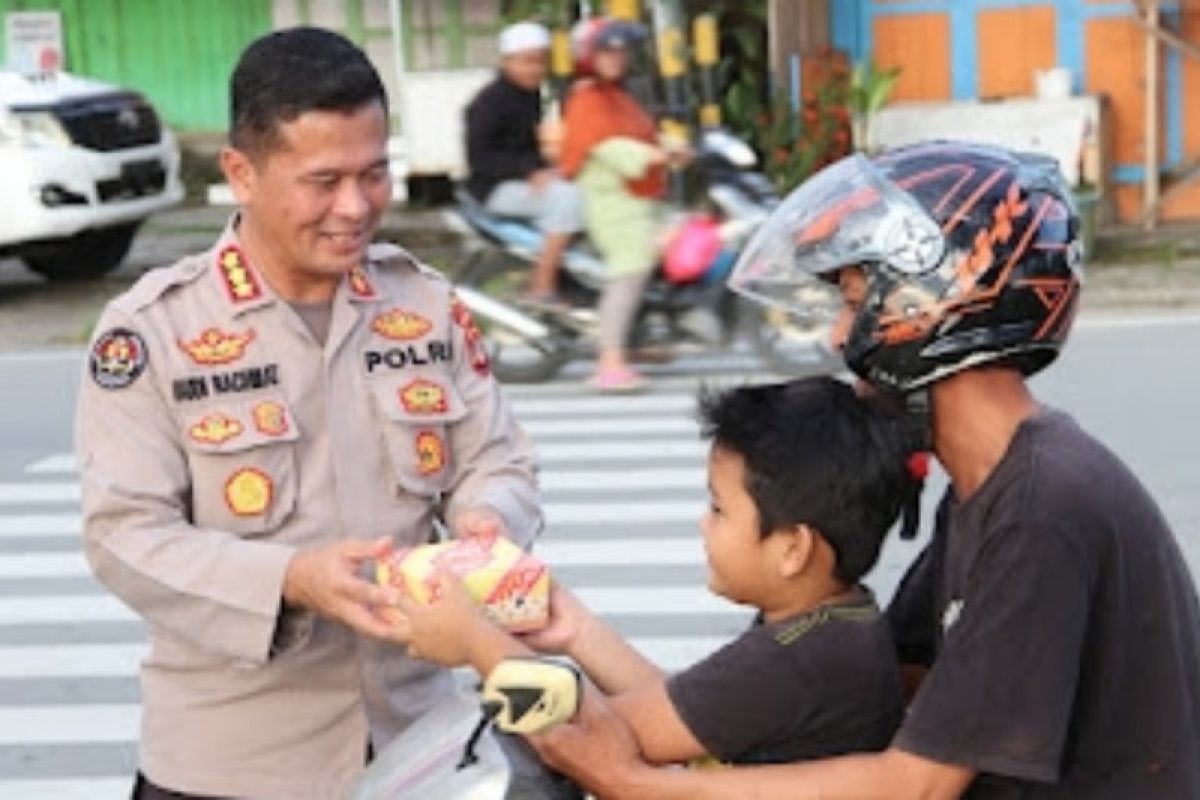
[(820, 684), (1065, 627)]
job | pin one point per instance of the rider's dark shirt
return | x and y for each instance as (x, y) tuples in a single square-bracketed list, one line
[(502, 142), (1064, 630)]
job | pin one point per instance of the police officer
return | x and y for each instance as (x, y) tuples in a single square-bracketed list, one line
[(262, 420)]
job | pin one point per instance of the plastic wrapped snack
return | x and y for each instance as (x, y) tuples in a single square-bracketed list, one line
[(512, 586)]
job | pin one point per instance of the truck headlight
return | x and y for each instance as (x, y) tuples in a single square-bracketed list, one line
[(33, 129)]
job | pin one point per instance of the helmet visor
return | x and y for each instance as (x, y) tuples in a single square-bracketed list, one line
[(848, 213)]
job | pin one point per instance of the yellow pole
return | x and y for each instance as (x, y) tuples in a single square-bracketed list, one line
[(707, 46), (630, 10)]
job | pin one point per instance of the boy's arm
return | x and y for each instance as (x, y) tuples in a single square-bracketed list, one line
[(661, 733), (613, 664)]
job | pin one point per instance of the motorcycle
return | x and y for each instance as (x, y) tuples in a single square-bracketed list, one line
[(468, 748), (531, 343)]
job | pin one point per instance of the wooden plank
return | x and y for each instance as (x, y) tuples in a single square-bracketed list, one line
[(1150, 184), (919, 44), (1013, 43)]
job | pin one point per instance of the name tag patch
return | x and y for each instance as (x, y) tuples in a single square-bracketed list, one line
[(198, 387)]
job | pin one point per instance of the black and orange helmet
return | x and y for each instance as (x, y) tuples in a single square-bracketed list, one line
[(971, 253)]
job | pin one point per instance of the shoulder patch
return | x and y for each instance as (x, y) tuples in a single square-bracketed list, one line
[(117, 358)]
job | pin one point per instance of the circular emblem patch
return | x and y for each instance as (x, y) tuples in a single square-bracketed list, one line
[(248, 492), (117, 358)]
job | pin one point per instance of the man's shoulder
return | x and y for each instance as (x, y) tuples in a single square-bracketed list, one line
[(394, 265), (157, 283)]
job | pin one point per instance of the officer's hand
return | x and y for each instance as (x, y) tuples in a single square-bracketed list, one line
[(478, 522), (326, 580)]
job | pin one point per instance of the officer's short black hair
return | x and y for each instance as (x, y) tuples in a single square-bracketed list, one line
[(288, 72), (816, 454)]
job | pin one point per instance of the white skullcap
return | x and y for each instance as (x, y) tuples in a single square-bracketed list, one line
[(523, 36)]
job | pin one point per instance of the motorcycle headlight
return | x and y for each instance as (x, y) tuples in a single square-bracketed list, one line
[(33, 129)]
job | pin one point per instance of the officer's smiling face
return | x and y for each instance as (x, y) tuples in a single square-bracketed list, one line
[(312, 201)]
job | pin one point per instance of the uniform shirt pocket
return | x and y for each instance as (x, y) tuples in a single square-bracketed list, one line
[(417, 410), (243, 465)]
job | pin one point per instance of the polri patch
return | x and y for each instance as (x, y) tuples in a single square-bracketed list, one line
[(215, 428), (214, 346), (477, 352), (117, 358), (400, 325), (431, 453), (249, 492), (423, 396)]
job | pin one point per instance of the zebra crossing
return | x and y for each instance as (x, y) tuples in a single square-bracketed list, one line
[(623, 482)]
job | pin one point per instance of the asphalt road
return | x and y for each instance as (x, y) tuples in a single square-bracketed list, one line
[(1132, 380), (623, 482)]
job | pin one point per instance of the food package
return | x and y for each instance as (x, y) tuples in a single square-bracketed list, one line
[(512, 586)]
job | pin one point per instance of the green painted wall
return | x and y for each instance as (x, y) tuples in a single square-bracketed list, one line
[(179, 53)]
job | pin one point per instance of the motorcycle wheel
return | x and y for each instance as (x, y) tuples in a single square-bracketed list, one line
[(515, 358), (790, 345)]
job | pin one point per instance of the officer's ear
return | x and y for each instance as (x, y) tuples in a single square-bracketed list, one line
[(240, 173)]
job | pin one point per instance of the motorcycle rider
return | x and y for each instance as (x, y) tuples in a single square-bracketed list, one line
[(610, 147), (1053, 613), (508, 172)]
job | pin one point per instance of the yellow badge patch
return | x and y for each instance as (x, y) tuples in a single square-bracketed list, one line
[(424, 397), (215, 428), (431, 453), (241, 284), (400, 325), (249, 492), (214, 346), (270, 418), (360, 284)]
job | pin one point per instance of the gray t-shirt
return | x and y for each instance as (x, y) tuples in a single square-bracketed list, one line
[(820, 684), (316, 317), (1063, 627)]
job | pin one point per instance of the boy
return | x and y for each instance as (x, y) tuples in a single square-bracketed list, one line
[(804, 479)]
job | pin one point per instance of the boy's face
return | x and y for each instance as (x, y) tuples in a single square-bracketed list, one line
[(737, 563)]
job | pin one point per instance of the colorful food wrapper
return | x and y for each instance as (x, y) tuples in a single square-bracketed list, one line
[(512, 586)]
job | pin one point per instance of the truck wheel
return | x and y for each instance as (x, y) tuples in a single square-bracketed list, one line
[(84, 256)]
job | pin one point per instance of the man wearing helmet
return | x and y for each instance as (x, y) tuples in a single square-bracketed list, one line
[(1052, 618)]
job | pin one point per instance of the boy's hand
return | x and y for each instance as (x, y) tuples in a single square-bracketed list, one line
[(568, 618), (444, 630)]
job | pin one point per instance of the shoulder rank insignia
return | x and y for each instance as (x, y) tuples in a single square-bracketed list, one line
[(270, 418), (360, 285), (424, 397), (214, 346), (216, 428), (431, 453), (248, 492), (241, 284), (400, 325), (117, 358)]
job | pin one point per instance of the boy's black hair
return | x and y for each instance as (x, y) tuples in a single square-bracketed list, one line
[(818, 455), (288, 72)]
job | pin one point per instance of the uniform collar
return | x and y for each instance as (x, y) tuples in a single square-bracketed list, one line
[(245, 289)]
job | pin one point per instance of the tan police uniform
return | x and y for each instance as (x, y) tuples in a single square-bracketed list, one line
[(216, 437)]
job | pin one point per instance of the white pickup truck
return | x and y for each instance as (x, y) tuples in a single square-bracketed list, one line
[(82, 164)]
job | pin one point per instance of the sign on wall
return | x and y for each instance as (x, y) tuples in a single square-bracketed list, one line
[(34, 42)]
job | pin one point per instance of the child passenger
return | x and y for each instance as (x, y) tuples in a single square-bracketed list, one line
[(805, 480)]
